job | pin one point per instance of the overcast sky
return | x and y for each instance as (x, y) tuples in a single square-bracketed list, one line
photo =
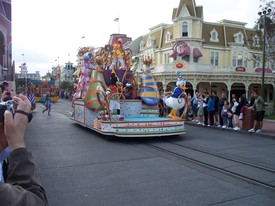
[(45, 30)]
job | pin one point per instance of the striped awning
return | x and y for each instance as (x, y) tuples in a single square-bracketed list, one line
[(197, 53)]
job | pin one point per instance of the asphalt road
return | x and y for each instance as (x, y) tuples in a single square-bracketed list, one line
[(80, 167)]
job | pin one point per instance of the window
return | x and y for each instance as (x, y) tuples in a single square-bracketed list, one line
[(184, 29), (166, 58), (214, 36), (256, 41), (240, 59), (245, 60), (214, 58), (234, 59), (238, 37), (141, 45), (149, 42), (256, 61), (168, 37)]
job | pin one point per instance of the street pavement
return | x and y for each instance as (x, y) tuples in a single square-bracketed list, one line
[(79, 167)]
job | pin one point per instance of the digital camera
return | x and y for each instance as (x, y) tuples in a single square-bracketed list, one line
[(8, 105)]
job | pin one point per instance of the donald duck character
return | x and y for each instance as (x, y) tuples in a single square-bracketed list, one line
[(177, 99)]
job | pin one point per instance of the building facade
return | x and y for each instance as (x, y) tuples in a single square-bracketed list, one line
[(224, 56), (7, 70), (22, 79), (67, 72)]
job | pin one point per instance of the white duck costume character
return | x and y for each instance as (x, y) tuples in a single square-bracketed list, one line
[(177, 99)]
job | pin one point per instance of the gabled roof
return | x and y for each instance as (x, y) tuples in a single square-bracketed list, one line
[(195, 11)]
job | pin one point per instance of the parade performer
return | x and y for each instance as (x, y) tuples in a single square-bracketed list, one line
[(31, 98), (115, 87), (117, 54), (177, 100), (84, 78), (48, 104)]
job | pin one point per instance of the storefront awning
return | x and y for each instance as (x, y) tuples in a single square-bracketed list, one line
[(183, 50), (197, 53)]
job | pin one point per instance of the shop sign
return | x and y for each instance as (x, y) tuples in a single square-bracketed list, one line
[(240, 69), (178, 64), (267, 70)]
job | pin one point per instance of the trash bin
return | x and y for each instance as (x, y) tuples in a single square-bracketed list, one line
[(248, 118)]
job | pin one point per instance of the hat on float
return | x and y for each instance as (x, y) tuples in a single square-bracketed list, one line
[(180, 81)]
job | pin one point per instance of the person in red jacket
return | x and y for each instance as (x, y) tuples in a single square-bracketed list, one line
[(22, 186)]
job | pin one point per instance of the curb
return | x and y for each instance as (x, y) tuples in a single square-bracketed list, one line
[(262, 134)]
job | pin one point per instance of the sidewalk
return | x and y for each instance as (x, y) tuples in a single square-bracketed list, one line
[(268, 128)]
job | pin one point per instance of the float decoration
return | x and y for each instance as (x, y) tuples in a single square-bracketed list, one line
[(138, 115), (178, 98)]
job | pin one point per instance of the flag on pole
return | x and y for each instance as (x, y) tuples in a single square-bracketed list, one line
[(116, 19)]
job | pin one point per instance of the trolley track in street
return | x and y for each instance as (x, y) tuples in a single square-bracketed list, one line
[(250, 172)]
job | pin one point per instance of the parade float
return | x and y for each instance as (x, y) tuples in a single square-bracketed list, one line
[(137, 104), (41, 88)]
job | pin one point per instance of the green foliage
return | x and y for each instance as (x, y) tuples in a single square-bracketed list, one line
[(66, 85), (271, 117)]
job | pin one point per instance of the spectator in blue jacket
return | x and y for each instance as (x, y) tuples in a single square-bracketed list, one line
[(211, 109)]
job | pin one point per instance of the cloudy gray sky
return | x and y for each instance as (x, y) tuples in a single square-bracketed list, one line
[(45, 30)]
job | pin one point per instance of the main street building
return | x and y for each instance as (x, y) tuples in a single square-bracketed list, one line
[(224, 56)]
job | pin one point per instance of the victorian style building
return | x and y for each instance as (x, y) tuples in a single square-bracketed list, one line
[(6, 63), (223, 56)]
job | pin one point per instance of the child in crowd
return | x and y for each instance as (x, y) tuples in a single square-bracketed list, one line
[(224, 114), (194, 103), (230, 117), (200, 109)]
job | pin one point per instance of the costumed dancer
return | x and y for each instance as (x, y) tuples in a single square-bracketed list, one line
[(48, 104), (84, 78), (114, 102), (31, 98), (117, 54), (177, 100)]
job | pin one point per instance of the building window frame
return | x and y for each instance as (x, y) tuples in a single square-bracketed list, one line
[(167, 37), (256, 41), (214, 36), (184, 27), (238, 37), (166, 58), (215, 58), (141, 45)]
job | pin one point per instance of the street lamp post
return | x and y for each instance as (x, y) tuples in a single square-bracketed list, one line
[(263, 15)]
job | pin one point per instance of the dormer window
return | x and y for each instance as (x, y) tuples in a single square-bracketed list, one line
[(141, 45), (256, 41), (214, 35), (184, 29), (238, 37), (149, 43), (168, 37)]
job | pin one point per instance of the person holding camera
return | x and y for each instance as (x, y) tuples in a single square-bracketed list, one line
[(22, 186)]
